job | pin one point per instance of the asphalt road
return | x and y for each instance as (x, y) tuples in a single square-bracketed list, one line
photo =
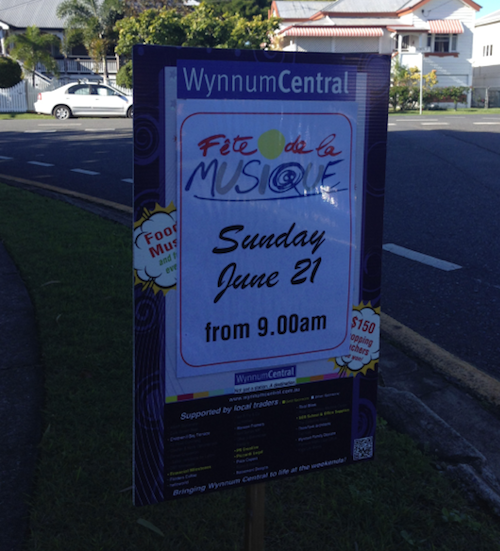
[(91, 156), (442, 200)]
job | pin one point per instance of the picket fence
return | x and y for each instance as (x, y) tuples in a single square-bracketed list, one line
[(13, 100), (21, 97)]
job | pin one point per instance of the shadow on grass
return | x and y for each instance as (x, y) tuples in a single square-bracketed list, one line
[(77, 268)]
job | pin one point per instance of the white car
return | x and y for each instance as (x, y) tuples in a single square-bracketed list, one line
[(84, 99)]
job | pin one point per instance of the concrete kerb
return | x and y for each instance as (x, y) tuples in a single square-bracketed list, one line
[(482, 384), (408, 414)]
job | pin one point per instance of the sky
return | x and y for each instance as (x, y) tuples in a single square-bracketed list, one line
[(488, 6)]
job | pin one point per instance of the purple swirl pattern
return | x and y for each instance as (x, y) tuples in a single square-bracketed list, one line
[(146, 139)]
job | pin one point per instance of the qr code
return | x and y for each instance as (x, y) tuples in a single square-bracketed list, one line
[(363, 448)]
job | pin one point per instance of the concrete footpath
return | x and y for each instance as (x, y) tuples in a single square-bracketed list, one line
[(21, 400), (418, 395)]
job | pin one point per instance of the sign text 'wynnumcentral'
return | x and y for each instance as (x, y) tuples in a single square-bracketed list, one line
[(284, 81)]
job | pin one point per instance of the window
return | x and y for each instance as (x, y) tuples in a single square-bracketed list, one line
[(488, 50), (443, 43), (79, 89), (405, 42), (79, 50), (104, 91)]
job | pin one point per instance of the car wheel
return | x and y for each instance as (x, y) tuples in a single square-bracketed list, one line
[(61, 112), (130, 112)]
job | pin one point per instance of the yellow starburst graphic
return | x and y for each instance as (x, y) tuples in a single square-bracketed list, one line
[(155, 249), (364, 342)]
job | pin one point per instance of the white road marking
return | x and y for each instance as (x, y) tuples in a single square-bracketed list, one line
[(391, 124), (2, 158), (435, 124), (128, 180), (486, 122), (100, 129), (38, 131), (38, 163), (416, 120), (83, 171), (60, 124), (420, 257)]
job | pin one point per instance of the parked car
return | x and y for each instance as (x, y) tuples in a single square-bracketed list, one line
[(84, 99)]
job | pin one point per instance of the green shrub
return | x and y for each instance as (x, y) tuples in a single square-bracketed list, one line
[(10, 72), (402, 98), (449, 94), (124, 75)]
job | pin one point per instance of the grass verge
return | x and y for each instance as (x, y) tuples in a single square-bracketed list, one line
[(438, 113), (77, 268), (11, 116)]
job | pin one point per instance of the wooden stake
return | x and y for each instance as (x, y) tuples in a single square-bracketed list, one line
[(254, 521)]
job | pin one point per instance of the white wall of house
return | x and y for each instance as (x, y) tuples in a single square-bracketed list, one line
[(451, 71), (309, 44), (355, 45), (487, 44), (3, 35), (487, 55), (339, 45), (453, 67)]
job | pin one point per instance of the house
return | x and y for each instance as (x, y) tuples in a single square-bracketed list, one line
[(486, 63), (17, 15), (428, 34)]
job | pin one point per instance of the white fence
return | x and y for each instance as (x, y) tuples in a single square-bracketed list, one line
[(124, 91), (21, 97), (13, 100), (81, 66)]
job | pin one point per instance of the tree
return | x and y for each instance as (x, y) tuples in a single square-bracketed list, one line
[(10, 72), (254, 34), (136, 7), (410, 76), (457, 94), (405, 86), (161, 27), (210, 27), (205, 26), (95, 19), (244, 8), (124, 77), (32, 48)]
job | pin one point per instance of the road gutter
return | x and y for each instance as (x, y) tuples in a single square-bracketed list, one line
[(482, 384)]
